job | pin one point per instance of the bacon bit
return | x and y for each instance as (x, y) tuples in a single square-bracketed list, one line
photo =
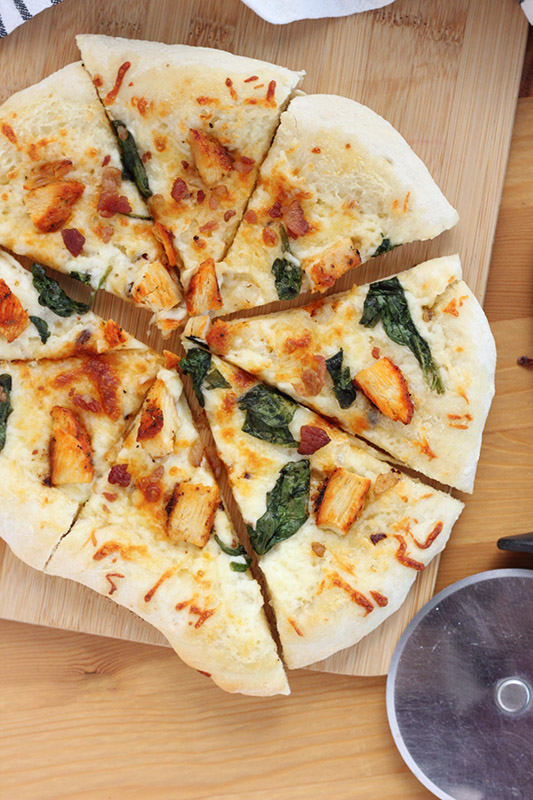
[(355, 596), (165, 237), (430, 537), (109, 577), (385, 481), (229, 84), (126, 550), (13, 317), (229, 214), (251, 78), (160, 142), (198, 244), (405, 202), (380, 599), (111, 203), (525, 361), (203, 615), (9, 133), (291, 345), (196, 454), (375, 352), (312, 439), (105, 232), (98, 81), (185, 165), (212, 225), (275, 212), (271, 91), (182, 605), (87, 403), (106, 161), (451, 308), (347, 145), (150, 485), (316, 150), (146, 156), (243, 165), (406, 560), (424, 448), (151, 422), (112, 94), (220, 191), (171, 359), (164, 577), (213, 203), (251, 217), (294, 625), (377, 537), (119, 475), (294, 220), (106, 382), (318, 549), (313, 378), (179, 190), (200, 196), (270, 237), (110, 497), (73, 240)]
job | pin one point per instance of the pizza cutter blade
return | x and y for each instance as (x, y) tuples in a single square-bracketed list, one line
[(460, 689)]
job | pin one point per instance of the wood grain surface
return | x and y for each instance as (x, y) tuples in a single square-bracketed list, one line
[(92, 718), (438, 75)]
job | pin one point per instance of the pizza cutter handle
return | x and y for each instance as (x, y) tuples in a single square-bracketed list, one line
[(522, 543)]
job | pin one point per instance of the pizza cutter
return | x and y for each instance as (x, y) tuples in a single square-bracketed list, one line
[(460, 688)]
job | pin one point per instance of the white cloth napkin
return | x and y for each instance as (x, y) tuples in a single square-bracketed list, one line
[(14, 12), (280, 12)]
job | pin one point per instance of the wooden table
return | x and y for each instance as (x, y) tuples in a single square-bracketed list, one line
[(90, 718)]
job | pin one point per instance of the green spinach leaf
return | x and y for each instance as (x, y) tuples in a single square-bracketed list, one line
[(42, 328), (268, 414), (131, 160), (240, 566), (286, 508), (82, 277), (215, 380), (5, 406), (342, 383), (236, 566), (52, 295), (384, 247), (386, 301), (287, 271), (196, 364)]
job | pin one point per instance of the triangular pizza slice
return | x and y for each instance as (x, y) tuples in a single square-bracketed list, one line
[(155, 538), (68, 388), (407, 363), (67, 198), (340, 535), (339, 186), (202, 121)]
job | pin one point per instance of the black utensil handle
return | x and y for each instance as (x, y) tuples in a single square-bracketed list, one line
[(522, 543)]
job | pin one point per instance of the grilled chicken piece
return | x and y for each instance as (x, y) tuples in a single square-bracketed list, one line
[(155, 288), (191, 512), (70, 449), (198, 328), (385, 386), (342, 500), (333, 263), (203, 293), (159, 422), (49, 172), (13, 318), (211, 159), (51, 205)]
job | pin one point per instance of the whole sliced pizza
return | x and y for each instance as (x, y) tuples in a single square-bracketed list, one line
[(149, 164)]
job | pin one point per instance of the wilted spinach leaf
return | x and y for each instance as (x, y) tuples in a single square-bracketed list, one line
[(287, 271), (236, 566), (384, 247), (215, 380), (386, 301), (342, 383), (5, 406), (52, 295), (131, 160), (286, 508), (82, 277), (268, 413), (197, 364), (42, 328)]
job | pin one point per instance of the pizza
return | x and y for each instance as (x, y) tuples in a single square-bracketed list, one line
[(203, 121), (340, 536), (406, 363), (64, 201), (339, 186), (63, 405), (155, 538)]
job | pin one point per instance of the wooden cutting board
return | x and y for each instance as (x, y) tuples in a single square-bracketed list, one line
[(446, 75)]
